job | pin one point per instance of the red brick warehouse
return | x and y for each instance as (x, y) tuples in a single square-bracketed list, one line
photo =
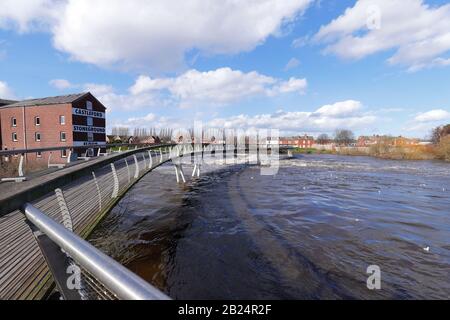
[(72, 120)]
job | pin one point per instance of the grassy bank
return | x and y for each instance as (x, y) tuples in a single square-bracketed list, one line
[(440, 151)]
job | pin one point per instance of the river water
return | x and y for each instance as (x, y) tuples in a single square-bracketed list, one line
[(309, 232)]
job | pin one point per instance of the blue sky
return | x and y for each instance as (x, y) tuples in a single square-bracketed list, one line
[(301, 66)]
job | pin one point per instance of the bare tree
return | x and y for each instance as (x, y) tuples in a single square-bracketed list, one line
[(344, 136), (323, 139)]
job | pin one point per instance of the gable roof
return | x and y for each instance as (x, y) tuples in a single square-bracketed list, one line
[(48, 101)]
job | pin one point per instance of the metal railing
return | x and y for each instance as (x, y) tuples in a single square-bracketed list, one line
[(115, 277)]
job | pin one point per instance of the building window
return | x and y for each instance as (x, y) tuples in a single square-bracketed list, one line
[(89, 105), (62, 120), (90, 136), (14, 136), (37, 121), (64, 153), (37, 136), (90, 121), (38, 154), (13, 122), (62, 136)]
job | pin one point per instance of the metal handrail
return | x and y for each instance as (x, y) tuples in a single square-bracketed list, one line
[(96, 146), (118, 279)]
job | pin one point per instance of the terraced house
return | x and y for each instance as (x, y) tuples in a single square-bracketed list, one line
[(75, 121)]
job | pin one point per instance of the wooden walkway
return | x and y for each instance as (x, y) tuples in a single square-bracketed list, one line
[(23, 270)]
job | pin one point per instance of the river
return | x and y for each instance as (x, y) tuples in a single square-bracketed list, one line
[(309, 232)]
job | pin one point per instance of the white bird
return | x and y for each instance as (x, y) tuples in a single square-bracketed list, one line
[(427, 249)]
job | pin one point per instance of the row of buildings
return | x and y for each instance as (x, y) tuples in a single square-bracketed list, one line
[(75, 120)]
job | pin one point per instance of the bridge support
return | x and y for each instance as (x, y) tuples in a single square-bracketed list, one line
[(196, 170), (115, 192), (179, 172)]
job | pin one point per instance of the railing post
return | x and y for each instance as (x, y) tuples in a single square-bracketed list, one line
[(161, 156), (145, 160), (98, 192), (150, 163), (20, 170), (115, 192), (136, 171), (49, 158), (67, 219), (128, 170)]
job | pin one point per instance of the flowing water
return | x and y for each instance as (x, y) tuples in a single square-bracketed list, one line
[(309, 232)]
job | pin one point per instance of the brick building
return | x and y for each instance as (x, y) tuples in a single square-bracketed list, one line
[(72, 120), (303, 142)]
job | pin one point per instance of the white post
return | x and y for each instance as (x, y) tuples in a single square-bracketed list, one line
[(21, 166), (49, 158), (150, 163), (98, 191), (67, 219), (179, 170), (128, 170), (145, 160), (115, 192), (70, 156), (136, 171), (161, 155)]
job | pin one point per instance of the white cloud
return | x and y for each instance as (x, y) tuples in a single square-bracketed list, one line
[(27, 15), (61, 84), (292, 63), (433, 115), (114, 101), (339, 109), (418, 33), (151, 34), (6, 92), (293, 122), (220, 86)]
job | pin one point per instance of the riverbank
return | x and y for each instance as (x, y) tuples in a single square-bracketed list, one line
[(382, 151)]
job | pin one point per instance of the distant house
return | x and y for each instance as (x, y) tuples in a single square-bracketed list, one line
[(367, 141), (302, 142)]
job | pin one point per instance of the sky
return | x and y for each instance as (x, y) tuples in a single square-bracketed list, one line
[(300, 66)]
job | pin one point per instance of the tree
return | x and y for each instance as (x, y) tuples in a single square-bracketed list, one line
[(323, 139), (439, 132), (344, 136)]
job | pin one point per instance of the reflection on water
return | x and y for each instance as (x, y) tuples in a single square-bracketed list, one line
[(309, 232)]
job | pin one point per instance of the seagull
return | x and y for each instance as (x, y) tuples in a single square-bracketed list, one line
[(427, 249)]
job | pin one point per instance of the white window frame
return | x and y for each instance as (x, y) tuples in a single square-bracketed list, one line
[(61, 136), (36, 120), (89, 105), (14, 136), (90, 136), (38, 154), (64, 153), (62, 120), (13, 122), (90, 121), (36, 136)]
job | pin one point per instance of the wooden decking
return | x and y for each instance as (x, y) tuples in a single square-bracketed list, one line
[(23, 270)]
